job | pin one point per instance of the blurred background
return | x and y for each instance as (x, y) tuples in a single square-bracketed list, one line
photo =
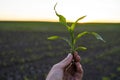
[(26, 54)]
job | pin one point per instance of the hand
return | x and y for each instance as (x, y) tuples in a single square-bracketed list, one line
[(67, 69)]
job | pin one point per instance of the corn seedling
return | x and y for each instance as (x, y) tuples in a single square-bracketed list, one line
[(73, 38)]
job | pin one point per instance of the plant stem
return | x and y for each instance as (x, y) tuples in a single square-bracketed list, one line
[(72, 41)]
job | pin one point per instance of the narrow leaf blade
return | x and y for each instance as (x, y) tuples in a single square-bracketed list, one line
[(62, 19), (53, 37), (58, 37), (81, 48), (98, 36), (74, 24), (81, 34)]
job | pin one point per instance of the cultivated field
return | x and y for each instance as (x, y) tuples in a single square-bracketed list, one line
[(26, 54)]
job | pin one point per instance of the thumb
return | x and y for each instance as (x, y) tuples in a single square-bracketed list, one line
[(65, 62)]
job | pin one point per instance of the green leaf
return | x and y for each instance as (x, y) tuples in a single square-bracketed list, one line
[(81, 34), (62, 19), (67, 40), (69, 29), (81, 48), (97, 36), (53, 37), (74, 24), (58, 37)]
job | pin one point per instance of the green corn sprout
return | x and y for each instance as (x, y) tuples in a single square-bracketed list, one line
[(73, 38)]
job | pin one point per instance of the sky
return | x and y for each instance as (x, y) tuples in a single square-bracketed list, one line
[(42, 10)]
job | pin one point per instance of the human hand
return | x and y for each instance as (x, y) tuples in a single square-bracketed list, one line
[(74, 71), (67, 69)]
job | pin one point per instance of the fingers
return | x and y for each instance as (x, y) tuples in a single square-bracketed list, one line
[(66, 61), (79, 67), (76, 57), (77, 62)]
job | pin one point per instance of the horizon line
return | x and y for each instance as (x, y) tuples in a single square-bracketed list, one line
[(52, 21)]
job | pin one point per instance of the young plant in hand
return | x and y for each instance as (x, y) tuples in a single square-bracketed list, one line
[(73, 38)]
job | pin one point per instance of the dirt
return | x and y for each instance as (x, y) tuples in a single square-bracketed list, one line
[(27, 55)]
